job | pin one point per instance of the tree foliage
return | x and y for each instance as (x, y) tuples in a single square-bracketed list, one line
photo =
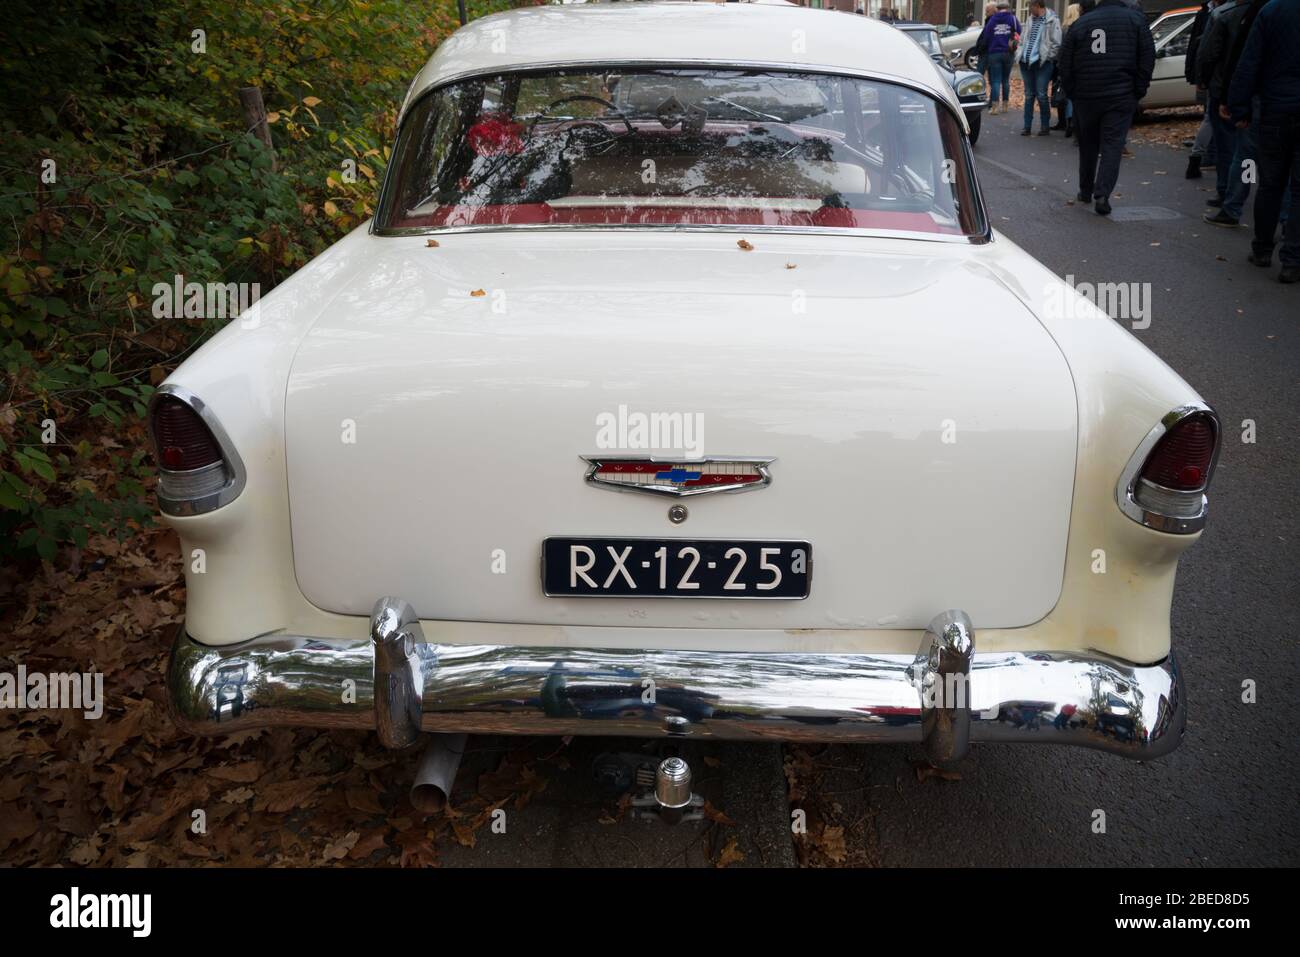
[(126, 162)]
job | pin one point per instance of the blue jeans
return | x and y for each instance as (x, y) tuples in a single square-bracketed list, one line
[(1036, 77), (999, 77), (1224, 137), (1234, 200)]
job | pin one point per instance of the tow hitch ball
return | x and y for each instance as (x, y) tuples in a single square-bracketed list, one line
[(660, 789), (672, 800)]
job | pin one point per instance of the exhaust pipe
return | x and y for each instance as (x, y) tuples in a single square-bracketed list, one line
[(437, 772)]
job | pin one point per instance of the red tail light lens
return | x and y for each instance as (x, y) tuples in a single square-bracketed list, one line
[(1181, 459), (184, 442)]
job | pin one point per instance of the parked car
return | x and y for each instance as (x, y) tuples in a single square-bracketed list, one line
[(967, 84), (680, 386), (957, 46), (1172, 32)]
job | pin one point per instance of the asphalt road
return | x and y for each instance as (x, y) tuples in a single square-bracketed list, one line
[(1228, 796)]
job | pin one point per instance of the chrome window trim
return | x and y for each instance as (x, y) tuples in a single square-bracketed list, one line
[(955, 110), (680, 227), (238, 476), (1126, 488)]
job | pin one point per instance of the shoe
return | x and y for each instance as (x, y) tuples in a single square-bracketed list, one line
[(1128, 154), (1044, 132), (1263, 262), (1058, 125), (1193, 168), (1214, 203), (1220, 219), (1102, 206), (1207, 163), (1069, 126), (1083, 197), (1289, 274), (1025, 132)]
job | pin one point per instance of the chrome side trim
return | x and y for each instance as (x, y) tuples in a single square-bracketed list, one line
[(1089, 700), (1126, 487), (238, 476)]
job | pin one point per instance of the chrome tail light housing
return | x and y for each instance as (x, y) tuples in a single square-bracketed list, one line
[(1163, 485), (198, 468)]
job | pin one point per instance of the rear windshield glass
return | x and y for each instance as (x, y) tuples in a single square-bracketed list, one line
[(681, 146)]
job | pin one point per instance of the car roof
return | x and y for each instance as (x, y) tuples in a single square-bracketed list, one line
[(722, 34)]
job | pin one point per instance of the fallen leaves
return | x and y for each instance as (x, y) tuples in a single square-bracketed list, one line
[(432, 244), (831, 835), (745, 244), (122, 790), (730, 854), (342, 847), (288, 795)]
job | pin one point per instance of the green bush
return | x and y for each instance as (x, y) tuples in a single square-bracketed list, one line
[(126, 162)]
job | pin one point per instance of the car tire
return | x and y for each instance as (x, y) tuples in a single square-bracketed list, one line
[(974, 121)]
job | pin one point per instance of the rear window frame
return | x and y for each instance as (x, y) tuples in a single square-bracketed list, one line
[(984, 233)]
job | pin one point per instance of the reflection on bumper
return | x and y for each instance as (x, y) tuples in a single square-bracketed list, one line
[(974, 106), (944, 697)]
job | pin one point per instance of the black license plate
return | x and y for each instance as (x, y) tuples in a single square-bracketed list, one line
[(675, 568)]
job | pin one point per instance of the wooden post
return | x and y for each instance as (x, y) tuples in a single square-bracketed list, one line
[(250, 98)]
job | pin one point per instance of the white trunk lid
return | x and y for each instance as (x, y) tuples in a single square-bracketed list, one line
[(922, 423)]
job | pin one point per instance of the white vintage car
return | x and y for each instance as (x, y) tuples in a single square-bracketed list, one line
[(680, 387)]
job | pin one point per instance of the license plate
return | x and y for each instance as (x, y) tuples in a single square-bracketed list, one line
[(674, 568)]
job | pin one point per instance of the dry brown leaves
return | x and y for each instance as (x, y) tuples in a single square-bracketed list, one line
[(123, 790), (836, 833)]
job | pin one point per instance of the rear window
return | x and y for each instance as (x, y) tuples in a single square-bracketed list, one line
[(680, 147)]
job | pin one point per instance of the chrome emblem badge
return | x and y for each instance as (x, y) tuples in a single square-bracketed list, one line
[(678, 477)]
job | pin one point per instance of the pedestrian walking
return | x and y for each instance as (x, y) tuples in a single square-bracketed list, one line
[(1211, 64), (1244, 158), (1037, 59), (997, 38), (1064, 110), (1270, 71), (1106, 62), (1202, 151)]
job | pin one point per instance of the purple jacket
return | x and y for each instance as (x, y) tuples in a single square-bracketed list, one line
[(998, 31)]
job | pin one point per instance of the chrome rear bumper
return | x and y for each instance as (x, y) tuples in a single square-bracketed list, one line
[(944, 697)]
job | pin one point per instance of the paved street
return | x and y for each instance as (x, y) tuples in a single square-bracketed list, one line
[(1228, 795)]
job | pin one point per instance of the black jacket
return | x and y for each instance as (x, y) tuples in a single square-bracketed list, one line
[(1269, 67), (1238, 45), (1198, 31), (1113, 64), (1220, 34)]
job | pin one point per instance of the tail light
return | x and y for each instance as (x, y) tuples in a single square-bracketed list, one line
[(198, 469), (1164, 483)]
